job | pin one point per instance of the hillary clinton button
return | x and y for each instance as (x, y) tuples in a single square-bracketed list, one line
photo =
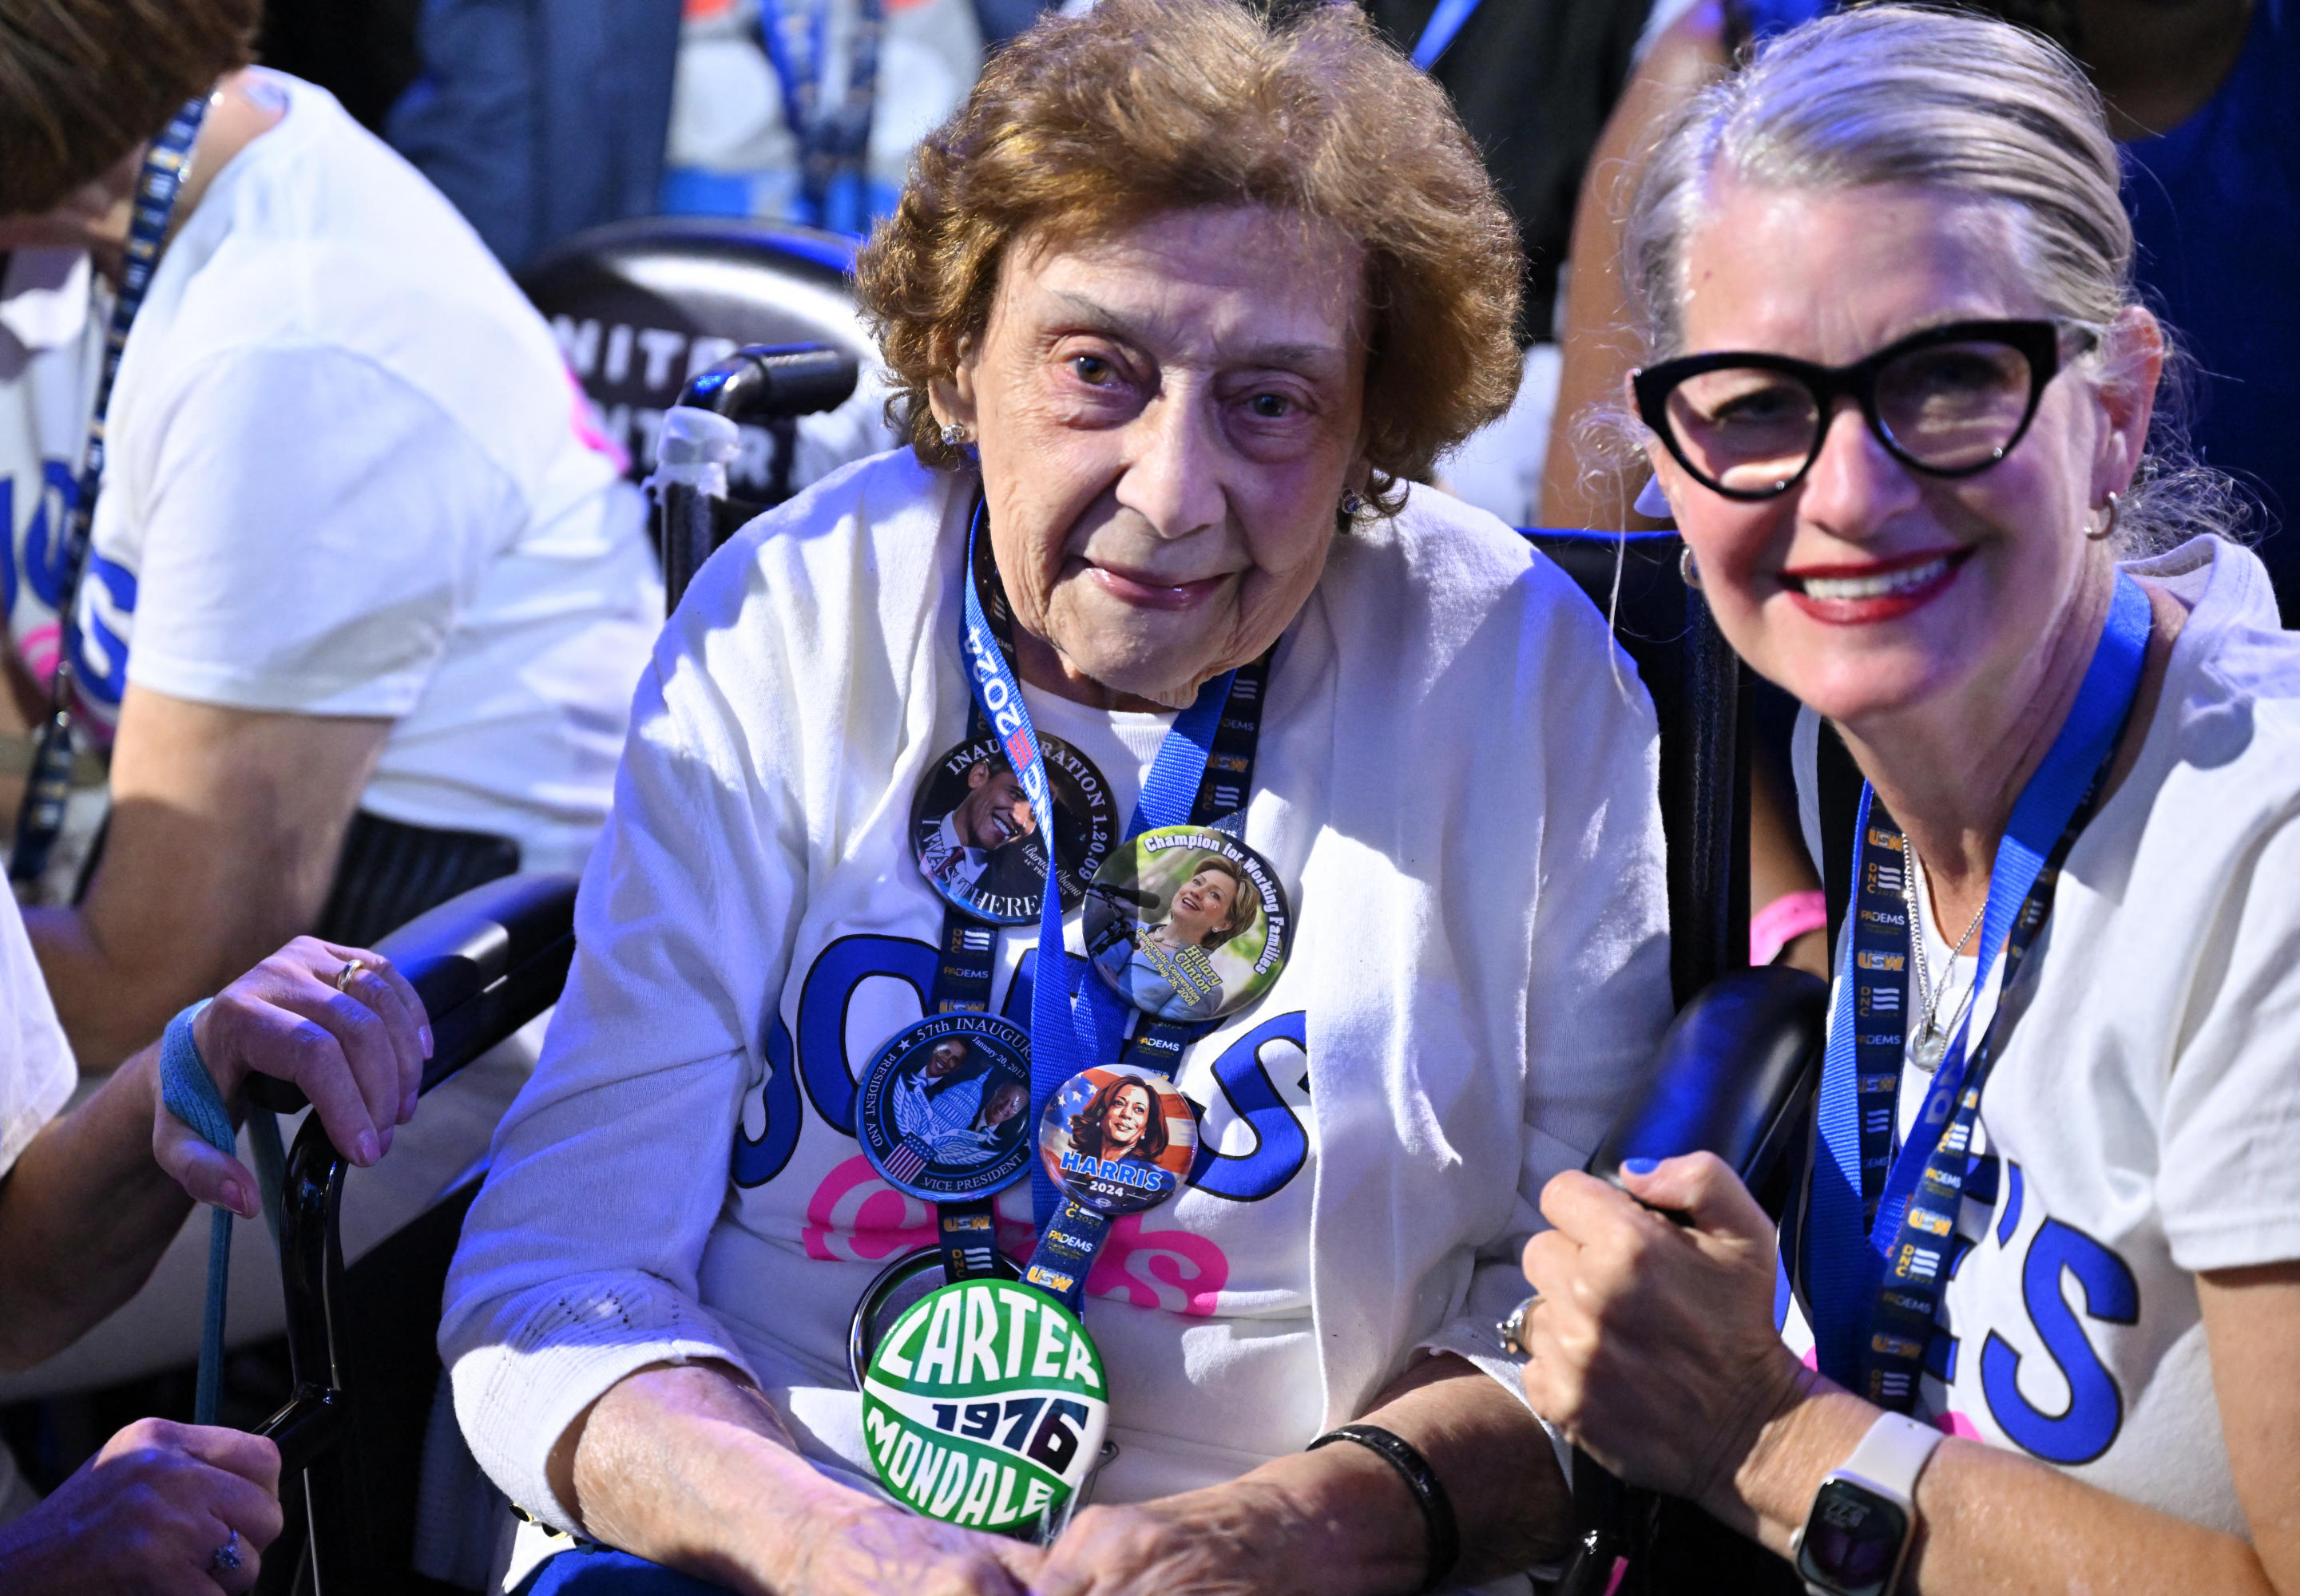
[(977, 837), (1187, 923), (1118, 1139), (944, 1111), (985, 1406)]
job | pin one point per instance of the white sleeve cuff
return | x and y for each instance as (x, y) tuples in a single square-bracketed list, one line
[(517, 1390), (1479, 1346)]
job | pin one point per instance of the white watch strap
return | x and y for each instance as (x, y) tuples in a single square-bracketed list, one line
[(1893, 1454)]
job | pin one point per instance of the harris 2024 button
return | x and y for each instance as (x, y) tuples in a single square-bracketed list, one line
[(1118, 1138)]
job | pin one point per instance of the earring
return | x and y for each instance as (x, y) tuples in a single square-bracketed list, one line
[(1351, 506), (1686, 569), (2107, 525), (953, 435)]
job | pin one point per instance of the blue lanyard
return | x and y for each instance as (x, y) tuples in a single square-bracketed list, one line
[(1204, 766), (1877, 1227), (833, 141), (1439, 32), (40, 819)]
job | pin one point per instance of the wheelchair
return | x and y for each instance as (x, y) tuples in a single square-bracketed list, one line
[(1734, 1074)]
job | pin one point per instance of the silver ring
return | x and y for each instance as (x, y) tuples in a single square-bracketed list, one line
[(344, 975), (225, 1559), (1512, 1330)]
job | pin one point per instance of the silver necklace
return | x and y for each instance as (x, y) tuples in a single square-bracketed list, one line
[(1932, 1042)]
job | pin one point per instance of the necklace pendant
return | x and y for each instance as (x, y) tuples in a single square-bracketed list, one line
[(1931, 1048)]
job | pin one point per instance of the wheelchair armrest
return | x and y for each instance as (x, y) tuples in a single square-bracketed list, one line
[(485, 963), (1732, 1077)]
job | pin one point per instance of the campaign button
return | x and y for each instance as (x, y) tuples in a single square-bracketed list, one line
[(985, 1406), (1187, 923), (944, 1110), (976, 838), (1118, 1138)]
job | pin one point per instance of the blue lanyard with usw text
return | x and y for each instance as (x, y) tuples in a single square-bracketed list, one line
[(1857, 1219), (1073, 1031)]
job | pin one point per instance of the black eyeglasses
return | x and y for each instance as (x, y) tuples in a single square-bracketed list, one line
[(1949, 402)]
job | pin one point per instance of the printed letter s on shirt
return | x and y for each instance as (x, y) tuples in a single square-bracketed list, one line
[(2089, 1423), (818, 1057)]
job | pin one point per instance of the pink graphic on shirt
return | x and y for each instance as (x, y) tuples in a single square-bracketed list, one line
[(588, 429), (38, 648), (1958, 1425), (1177, 1270), (854, 1216)]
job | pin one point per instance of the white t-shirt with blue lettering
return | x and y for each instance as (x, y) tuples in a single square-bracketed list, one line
[(2142, 1125), (1455, 783)]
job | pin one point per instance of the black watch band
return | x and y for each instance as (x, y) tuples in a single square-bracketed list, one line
[(1444, 1537)]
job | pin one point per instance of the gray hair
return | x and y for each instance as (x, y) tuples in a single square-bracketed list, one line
[(1960, 103)]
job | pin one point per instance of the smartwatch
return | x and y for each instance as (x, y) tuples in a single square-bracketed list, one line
[(1865, 1517)]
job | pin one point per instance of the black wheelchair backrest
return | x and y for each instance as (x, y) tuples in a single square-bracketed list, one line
[(1696, 682), (642, 307)]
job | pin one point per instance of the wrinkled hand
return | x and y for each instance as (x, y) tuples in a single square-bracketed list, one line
[(1201, 1544), (1654, 1345), (881, 1551), (357, 1054), (145, 1515)]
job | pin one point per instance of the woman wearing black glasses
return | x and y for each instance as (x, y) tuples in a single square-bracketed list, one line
[(2044, 1296)]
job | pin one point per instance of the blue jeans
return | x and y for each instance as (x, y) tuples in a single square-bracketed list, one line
[(604, 1572)]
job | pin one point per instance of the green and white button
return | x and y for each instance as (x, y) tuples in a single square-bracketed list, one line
[(985, 1406)]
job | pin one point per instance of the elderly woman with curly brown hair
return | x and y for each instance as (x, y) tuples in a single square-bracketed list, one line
[(1180, 303)]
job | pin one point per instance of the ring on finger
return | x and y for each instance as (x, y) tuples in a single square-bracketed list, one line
[(344, 975), (1512, 1329), (225, 1559)]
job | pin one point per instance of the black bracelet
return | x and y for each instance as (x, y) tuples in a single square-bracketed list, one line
[(1444, 1536)]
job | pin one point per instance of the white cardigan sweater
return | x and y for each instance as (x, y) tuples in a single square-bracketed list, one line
[(1457, 779)]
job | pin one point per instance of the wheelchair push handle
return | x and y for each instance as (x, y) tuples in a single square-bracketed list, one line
[(475, 961), (765, 384), (767, 381)]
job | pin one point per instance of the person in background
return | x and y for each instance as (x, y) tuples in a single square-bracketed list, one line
[(363, 603), (541, 118), (544, 118), (807, 111), (2045, 1268), (88, 1199), (1534, 81)]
